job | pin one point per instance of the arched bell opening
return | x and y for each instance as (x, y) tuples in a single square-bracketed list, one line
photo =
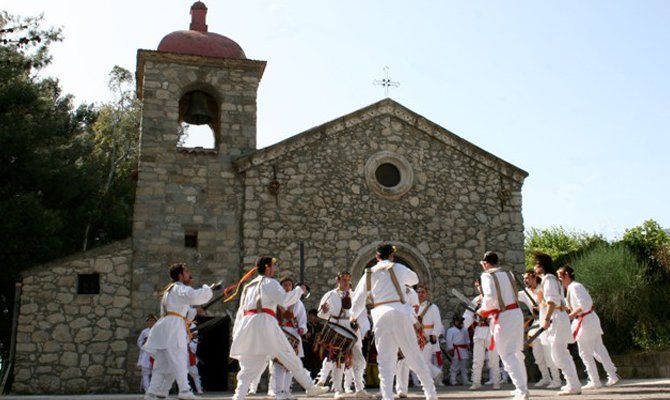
[(199, 122)]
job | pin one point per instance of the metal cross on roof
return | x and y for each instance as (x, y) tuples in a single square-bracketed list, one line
[(386, 82)]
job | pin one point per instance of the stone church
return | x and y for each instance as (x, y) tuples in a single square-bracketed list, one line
[(381, 173)]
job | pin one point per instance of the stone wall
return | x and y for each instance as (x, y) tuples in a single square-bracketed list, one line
[(76, 343), (643, 365), (449, 217)]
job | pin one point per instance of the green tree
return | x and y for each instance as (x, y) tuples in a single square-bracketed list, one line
[(562, 245), (651, 244), (113, 162)]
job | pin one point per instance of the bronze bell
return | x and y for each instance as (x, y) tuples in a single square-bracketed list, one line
[(197, 111)]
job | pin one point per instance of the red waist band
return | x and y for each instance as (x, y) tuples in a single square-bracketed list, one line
[(264, 310), (580, 319)]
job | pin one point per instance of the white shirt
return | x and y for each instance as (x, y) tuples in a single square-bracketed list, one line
[(459, 337), (259, 333), (143, 359), (383, 289), (335, 313), (490, 298), (170, 331), (559, 329), (480, 332), (579, 297)]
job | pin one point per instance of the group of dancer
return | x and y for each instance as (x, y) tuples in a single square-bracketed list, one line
[(406, 327)]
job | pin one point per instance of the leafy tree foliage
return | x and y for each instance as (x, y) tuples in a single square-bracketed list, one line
[(67, 173), (562, 245), (652, 245)]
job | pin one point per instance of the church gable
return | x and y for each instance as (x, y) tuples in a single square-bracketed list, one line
[(452, 203), (384, 107)]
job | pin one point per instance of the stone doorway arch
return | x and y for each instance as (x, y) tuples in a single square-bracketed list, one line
[(405, 253)]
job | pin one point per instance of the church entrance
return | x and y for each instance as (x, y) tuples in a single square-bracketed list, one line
[(213, 350)]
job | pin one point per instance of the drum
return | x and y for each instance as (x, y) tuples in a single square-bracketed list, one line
[(336, 341), (293, 340)]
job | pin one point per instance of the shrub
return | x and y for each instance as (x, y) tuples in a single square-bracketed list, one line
[(562, 245), (616, 281), (650, 243)]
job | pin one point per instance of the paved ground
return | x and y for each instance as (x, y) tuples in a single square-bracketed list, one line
[(630, 389)]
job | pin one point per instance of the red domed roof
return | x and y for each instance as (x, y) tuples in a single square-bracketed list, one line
[(197, 41)]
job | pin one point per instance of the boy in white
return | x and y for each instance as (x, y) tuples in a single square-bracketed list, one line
[(335, 306), (256, 333), (428, 316), (169, 338), (586, 330), (481, 342), (499, 304), (144, 359), (382, 288), (556, 323), (193, 371), (458, 343), (541, 353), (292, 319)]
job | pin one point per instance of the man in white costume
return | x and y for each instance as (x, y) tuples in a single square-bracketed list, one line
[(292, 319), (541, 353), (402, 370), (335, 307), (586, 330), (481, 339), (556, 323), (499, 304), (144, 359), (256, 333), (458, 344), (169, 338), (382, 288)]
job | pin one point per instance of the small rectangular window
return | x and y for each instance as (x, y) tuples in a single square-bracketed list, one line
[(191, 239), (88, 284)]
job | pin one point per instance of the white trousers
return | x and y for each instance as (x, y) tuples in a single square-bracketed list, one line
[(169, 365), (402, 370), (357, 366), (195, 375), (456, 367), (478, 354), (542, 356), (326, 368), (393, 330), (282, 379), (146, 378), (592, 350), (253, 365), (561, 357)]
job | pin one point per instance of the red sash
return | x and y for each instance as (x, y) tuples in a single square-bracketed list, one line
[(191, 358), (496, 319), (264, 310), (580, 319), (458, 352)]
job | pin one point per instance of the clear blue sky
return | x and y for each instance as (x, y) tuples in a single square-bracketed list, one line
[(577, 93)]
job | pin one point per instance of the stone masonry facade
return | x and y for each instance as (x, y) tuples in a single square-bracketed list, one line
[(462, 202), (76, 343)]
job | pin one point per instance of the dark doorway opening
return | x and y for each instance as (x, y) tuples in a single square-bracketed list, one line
[(213, 352)]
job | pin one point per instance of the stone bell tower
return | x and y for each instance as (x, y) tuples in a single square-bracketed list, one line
[(189, 198)]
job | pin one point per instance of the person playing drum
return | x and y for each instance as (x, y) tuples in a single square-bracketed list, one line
[(335, 308), (256, 333), (382, 290), (293, 321)]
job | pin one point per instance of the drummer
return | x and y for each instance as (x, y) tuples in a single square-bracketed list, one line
[(293, 321), (335, 307)]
